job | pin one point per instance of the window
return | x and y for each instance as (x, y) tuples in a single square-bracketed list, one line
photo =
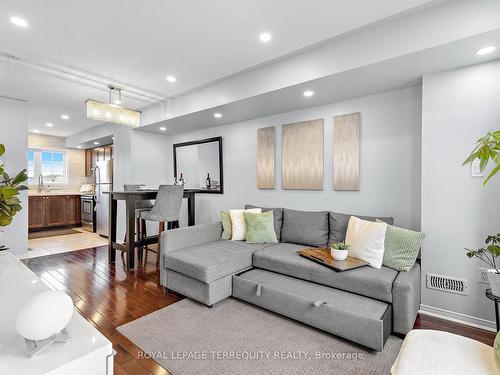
[(50, 164)]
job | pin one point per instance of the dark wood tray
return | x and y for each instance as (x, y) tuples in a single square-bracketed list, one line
[(324, 257)]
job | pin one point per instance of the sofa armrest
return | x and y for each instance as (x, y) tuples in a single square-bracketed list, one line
[(180, 238), (406, 299)]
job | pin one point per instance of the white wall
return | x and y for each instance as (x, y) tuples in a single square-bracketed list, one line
[(390, 161), (459, 107), (14, 130)]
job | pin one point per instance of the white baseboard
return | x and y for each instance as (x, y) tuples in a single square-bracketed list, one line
[(458, 318)]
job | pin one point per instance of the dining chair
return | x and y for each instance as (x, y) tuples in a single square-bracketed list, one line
[(166, 209), (140, 206)]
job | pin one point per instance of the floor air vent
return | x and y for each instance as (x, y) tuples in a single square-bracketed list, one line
[(447, 283)]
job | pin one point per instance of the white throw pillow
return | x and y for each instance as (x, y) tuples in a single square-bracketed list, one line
[(367, 240), (238, 223)]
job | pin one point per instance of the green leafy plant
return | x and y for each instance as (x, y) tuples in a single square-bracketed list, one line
[(10, 188), (487, 149), (489, 253), (339, 246)]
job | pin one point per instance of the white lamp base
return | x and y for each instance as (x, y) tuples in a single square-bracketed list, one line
[(35, 346)]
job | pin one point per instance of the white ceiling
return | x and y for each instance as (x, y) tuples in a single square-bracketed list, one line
[(73, 49), (396, 73)]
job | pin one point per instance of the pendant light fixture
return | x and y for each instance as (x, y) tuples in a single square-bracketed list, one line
[(112, 111)]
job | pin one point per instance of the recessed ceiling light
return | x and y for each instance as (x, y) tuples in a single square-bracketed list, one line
[(117, 101), (113, 138), (96, 143), (308, 93), (485, 50), (163, 128), (65, 117), (18, 21), (217, 115), (265, 37), (171, 79), (49, 124), (78, 146), (36, 131)]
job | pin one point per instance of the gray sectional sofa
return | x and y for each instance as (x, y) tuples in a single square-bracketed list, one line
[(363, 305)]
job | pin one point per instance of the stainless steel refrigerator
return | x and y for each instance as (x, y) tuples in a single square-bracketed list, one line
[(103, 181)]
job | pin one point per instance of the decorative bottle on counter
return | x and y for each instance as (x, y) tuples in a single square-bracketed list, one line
[(207, 181)]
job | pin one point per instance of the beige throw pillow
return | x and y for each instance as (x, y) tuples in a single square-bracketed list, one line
[(238, 223), (366, 240)]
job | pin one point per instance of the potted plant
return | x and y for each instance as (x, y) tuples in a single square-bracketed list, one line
[(339, 250), (10, 188), (488, 149), (487, 255)]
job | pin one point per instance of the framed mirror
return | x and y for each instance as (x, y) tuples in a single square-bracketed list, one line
[(199, 165)]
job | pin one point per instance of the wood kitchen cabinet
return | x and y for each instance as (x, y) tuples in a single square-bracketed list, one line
[(36, 212), (73, 213), (54, 211), (94, 155), (88, 162)]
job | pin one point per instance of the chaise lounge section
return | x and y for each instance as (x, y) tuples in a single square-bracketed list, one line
[(363, 305)]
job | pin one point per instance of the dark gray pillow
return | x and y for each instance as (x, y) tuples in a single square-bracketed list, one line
[(305, 228), (277, 217), (339, 222)]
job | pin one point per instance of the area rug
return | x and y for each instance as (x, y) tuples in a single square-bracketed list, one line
[(51, 233), (238, 338)]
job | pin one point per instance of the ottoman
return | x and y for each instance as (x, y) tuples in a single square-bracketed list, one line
[(435, 352)]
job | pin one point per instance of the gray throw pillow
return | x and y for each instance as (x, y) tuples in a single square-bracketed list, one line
[(305, 228), (339, 221), (277, 217)]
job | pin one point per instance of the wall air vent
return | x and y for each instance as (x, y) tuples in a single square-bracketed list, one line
[(447, 284)]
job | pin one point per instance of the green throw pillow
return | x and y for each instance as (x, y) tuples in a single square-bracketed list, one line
[(227, 231), (401, 247), (260, 227)]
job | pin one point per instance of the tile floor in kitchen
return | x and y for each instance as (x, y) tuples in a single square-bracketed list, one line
[(60, 244)]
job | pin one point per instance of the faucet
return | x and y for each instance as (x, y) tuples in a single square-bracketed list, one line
[(40, 183)]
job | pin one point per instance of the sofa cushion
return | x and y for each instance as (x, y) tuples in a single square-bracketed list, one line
[(339, 222), (305, 227), (366, 281), (260, 227), (211, 261), (277, 217), (238, 227)]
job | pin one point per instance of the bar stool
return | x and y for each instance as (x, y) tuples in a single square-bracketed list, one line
[(166, 209), (140, 206)]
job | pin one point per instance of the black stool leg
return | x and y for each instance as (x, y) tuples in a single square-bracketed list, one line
[(139, 237)]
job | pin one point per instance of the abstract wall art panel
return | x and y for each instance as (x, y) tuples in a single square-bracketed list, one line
[(302, 155), (346, 145), (266, 151)]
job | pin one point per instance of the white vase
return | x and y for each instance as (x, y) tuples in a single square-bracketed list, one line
[(339, 254), (494, 279)]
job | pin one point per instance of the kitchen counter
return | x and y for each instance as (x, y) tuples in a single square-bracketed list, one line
[(56, 208), (35, 193)]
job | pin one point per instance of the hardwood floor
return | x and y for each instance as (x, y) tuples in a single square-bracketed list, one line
[(108, 296)]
